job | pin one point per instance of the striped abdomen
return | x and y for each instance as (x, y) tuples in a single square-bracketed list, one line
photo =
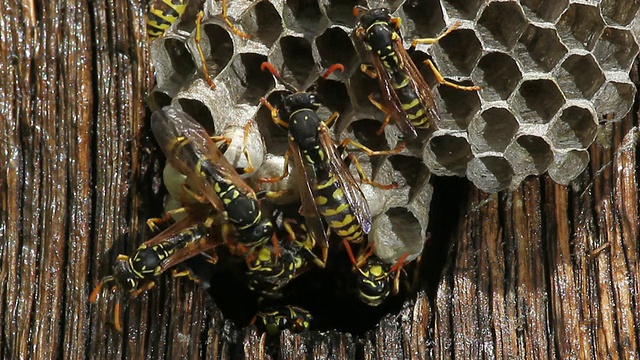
[(335, 209), (162, 14)]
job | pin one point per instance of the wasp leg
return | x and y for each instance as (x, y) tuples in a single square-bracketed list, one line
[(396, 268), (364, 178), (369, 70), (367, 150), (321, 263), (153, 223), (442, 81), (231, 26), (285, 173), (186, 272), (147, 286), (435, 40), (249, 168), (331, 118), (382, 108), (198, 39), (274, 113)]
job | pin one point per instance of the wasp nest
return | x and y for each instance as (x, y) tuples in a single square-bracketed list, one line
[(549, 72)]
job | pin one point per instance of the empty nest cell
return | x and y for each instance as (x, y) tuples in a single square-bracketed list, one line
[(579, 76), (580, 26), (539, 49), (262, 23), (462, 9), (490, 173), (498, 75), (544, 10), (492, 130), (537, 101), (616, 49), (575, 128), (501, 24)]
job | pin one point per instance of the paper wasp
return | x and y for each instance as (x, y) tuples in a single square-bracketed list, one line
[(181, 241), (373, 278), (328, 190), (192, 152), (276, 319), (163, 14), (409, 101), (269, 272)]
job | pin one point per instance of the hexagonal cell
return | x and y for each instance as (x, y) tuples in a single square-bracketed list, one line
[(498, 74), (616, 49), (539, 49), (490, 173), (298, 59), (249, 83), (395, 233), (537, 101), (179, 56), (457, 107), (545, 10), (457, 53), (501, 24), (529, 155), (341, 12), (619, 12), (217, 47), (567, 165), (492, 130), (333, 95), (361, 86), (575, 128), (579, 76), (303, 15), (462, 9), (413, 170), (422, 19), (262, 23), (447, 154), (200, 113), (336, 38), (614, 100), (580, 26)]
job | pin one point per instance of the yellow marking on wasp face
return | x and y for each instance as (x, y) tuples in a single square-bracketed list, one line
[(321, 200), (336, 211), (376, 270)]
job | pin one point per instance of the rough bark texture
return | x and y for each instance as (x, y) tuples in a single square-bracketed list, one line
[(545, 271)]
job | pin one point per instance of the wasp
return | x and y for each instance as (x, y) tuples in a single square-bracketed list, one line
[(328, 190), (163, 14), (181, 241), (192, 152), (410, 102), (375, 279), (272, 268), (279, 318)]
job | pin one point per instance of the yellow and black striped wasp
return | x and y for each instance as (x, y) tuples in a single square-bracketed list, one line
[(279, 318), (375, 279), (191, 236), (328, 190), (272, 268), (409, 101), (163, 14), (193, 152)]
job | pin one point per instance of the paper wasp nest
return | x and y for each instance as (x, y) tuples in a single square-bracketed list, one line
[(550, 71)]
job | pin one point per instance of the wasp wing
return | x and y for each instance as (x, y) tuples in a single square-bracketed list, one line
[(309, 208), (351, 188), (191, 151), (418, 83)]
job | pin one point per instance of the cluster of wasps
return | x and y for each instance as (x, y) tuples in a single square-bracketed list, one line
[(224, 210)]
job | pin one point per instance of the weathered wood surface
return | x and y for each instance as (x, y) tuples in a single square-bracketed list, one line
[(546, 271)]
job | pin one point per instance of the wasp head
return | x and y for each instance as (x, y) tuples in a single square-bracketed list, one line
[(124, 275), (301, 100), (373, 16)]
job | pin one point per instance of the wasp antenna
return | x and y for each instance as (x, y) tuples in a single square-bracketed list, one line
[(94, 294), (358, 9), (333, 68), (267, 66), (399, 264)]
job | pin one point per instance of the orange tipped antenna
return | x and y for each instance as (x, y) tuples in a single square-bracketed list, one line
[(358, 9), (98, 289), (333, 68), (266, 66)]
